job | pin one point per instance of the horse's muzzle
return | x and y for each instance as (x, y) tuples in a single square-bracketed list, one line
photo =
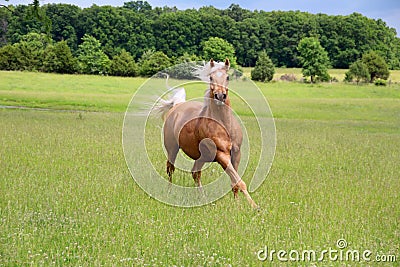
[(220, 97)]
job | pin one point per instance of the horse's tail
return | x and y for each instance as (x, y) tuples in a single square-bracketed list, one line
[(164, 105)]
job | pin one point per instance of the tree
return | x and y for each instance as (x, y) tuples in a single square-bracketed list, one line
[(376, 65), (313, 59), (358, 71), (91, 58), (31, 51), (264, 69), (123, 65), (236, 12), (9, 58), (138, 6), (137, 27), (64, 18), (153, 62), (27, 54), (219, 49), (59, 59)]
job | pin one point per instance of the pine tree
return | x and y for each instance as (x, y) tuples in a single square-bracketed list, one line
[(376, 65), (123, 65), (264, 69), (59, 59)]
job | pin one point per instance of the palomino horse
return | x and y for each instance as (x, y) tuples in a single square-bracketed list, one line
[(207, 131)]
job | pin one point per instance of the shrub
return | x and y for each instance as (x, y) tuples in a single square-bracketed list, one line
[(380, 82), (376, 65), (153, 62), (59, 59), (358, 71), (124, 65), (264, 69), (9, 58)]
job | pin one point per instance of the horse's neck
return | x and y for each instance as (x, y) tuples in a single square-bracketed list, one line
[(222, 114)]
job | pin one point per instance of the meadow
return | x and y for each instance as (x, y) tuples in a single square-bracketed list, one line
[(67, 197)]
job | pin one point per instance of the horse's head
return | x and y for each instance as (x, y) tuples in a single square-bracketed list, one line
[(219, 81)]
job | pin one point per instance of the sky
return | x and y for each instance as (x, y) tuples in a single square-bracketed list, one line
[(387, 10)]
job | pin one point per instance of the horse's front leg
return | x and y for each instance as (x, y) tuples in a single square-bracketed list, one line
[(224, 159), (235, 159), (235, 156)]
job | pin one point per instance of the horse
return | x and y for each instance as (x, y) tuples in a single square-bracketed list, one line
[(206, 132)]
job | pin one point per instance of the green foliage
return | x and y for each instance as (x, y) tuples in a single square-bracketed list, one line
[(138, 6), (27, 54), (30, 51), (5, 16), (9, 58), (91, 58), (59, 59), (219, 49), (264, 69), (183, 67), (313, 59), (380, 82), (64, 19), (137, 27), (153, 62), (358, 71), (123, 65), (376, 65)]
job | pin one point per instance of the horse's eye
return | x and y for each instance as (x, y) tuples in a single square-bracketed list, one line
[(211, 79), (227, 78)]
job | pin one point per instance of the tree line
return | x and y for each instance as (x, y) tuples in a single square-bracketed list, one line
[(139, 31)]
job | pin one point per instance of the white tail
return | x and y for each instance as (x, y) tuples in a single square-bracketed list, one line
[(178, 96)]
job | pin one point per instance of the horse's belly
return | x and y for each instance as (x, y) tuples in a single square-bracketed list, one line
[(181, 123), (188, 141)]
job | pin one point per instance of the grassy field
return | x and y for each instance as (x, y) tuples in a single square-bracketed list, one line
[(67, 197)]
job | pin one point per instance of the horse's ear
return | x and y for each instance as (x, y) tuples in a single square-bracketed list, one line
[(212, 63), (227, 64)]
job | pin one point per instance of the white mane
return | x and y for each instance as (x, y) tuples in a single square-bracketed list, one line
[(204, 72)]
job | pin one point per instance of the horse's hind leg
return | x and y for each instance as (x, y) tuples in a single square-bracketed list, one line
[(172, 151), (170, 170), (196, 173)]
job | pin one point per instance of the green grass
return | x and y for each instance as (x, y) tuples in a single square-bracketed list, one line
[(67, 197), (83, 92)]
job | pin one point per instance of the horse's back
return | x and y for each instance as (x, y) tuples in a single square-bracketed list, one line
[(181, 114)]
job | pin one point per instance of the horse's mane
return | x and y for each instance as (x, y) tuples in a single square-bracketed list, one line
[(204, 71)]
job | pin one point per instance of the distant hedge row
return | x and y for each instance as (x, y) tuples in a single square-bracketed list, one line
[(136, 27), (36, 52)]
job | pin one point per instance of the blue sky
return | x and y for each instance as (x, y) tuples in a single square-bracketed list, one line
[(387, 10)]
